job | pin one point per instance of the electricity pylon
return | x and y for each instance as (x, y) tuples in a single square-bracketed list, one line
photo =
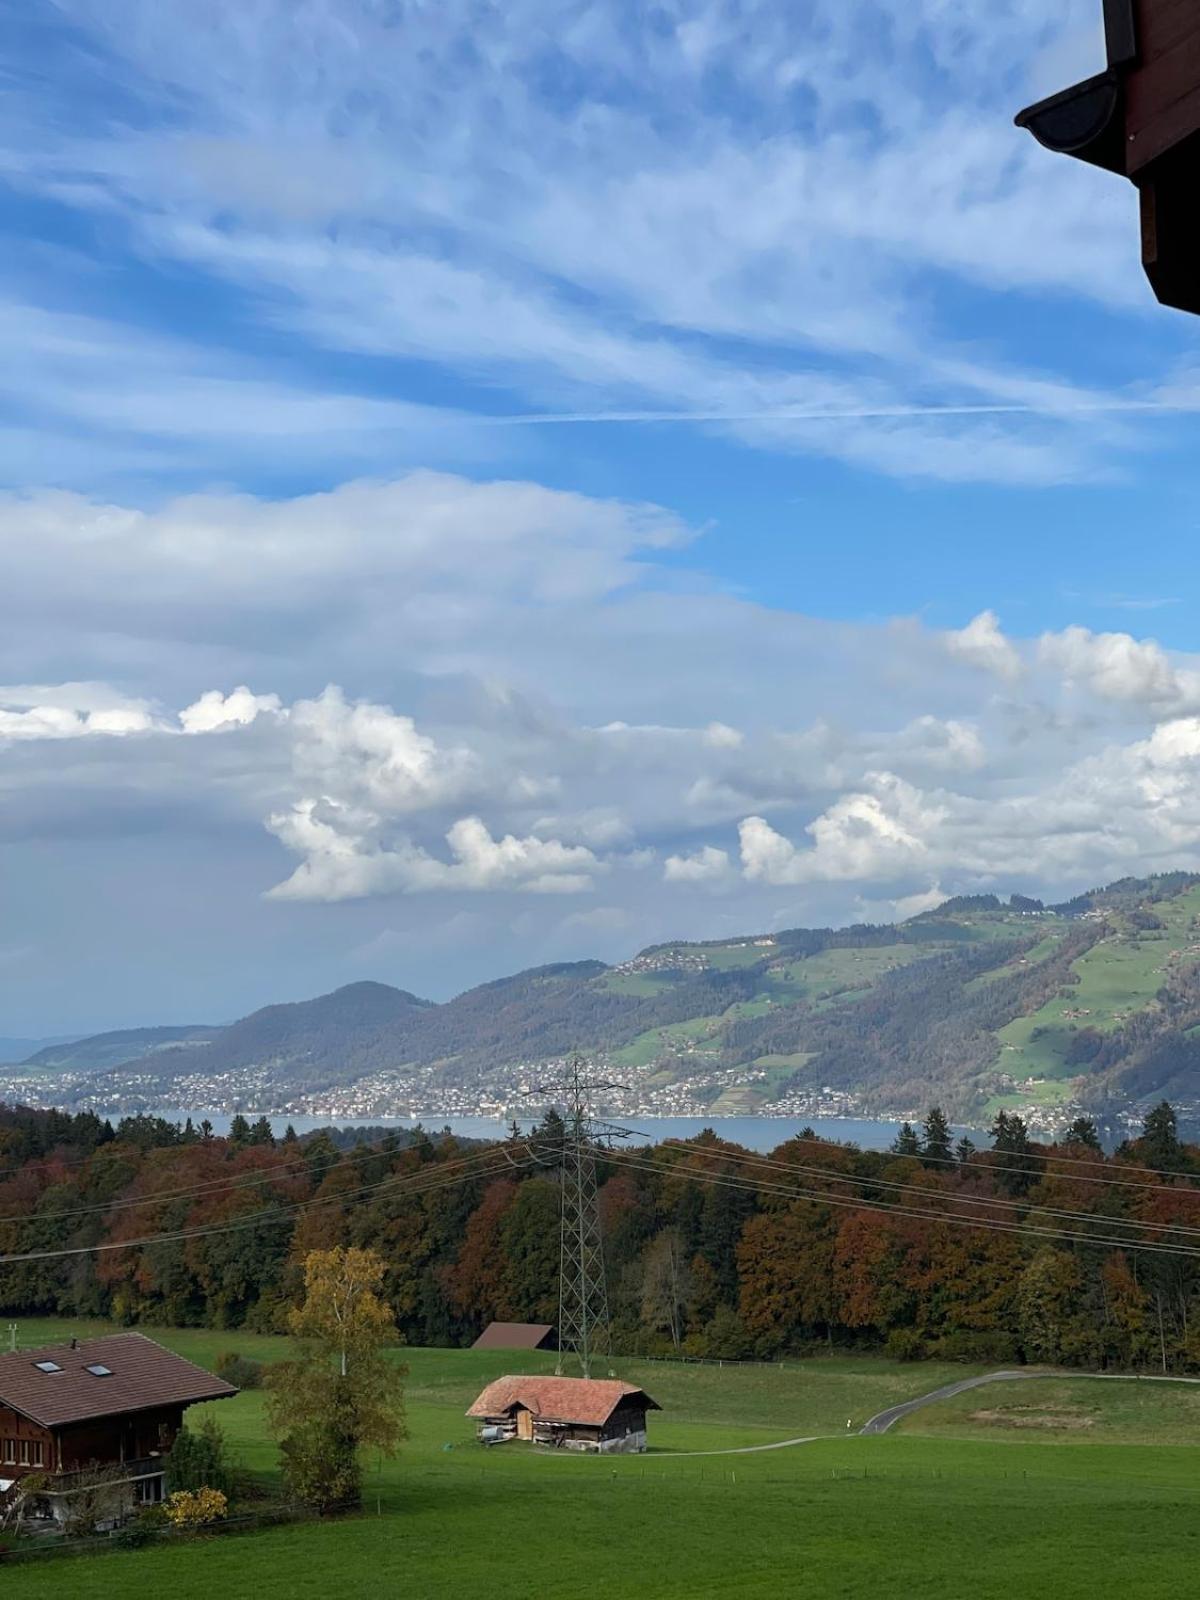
[(582, 1290)]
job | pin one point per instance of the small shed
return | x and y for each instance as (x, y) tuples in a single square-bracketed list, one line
[(596, 1414), (517, 1336)]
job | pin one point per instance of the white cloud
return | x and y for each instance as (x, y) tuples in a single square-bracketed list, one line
[(982, 644), (369, 754), (880, 834), (1118, 667), (706, 865), (540, 249), (70, 711), (720, 736), (342, 862), (215, 711)]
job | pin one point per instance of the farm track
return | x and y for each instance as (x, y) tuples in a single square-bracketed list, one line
[(886, 1419), (883, 1421)]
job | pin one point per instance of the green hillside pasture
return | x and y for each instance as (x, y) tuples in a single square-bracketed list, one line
[(640, 985), (1033, 957), (831, 970), (648, 1047), (1067, 1411), (1120, 975), (836, 1520)]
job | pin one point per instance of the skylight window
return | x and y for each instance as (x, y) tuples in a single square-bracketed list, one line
[(100, 1372), (47, 1366)]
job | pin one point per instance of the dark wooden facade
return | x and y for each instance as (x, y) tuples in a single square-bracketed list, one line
[(1140, 118), (96, 1416)]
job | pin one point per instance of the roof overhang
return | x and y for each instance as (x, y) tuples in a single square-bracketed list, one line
[(1140, 119)]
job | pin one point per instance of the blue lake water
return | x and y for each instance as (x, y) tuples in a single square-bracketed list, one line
[(753, 1133)]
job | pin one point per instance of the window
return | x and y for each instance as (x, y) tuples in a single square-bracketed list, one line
[(10, 1451), (47, 1366), (39, 1454), (26, 1452), (98, 1371)]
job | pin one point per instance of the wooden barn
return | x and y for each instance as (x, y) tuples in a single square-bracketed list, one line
[(517, 1336), (574, 1413), (115, 1403)]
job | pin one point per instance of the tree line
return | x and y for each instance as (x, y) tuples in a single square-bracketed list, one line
[(1015, 1252)]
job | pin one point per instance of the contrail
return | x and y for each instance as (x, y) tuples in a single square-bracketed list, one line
[(835, 414)]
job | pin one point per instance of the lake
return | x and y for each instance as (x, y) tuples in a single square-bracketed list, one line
[(753, 1133)]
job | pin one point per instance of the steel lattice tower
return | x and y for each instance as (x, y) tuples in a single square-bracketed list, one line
[(582, 1288)]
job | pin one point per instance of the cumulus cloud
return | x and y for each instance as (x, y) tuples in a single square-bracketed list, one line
[(1120, 668), (370, 754), (344, 862), (982, 644), (214, 710), (878, 834), (70, 711), (706, 865)]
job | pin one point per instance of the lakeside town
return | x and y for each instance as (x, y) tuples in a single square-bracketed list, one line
[(423, 1093)]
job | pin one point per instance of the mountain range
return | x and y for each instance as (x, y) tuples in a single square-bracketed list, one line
[(980, 1004)]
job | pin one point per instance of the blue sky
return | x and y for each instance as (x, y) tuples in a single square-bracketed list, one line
[(487, 485)]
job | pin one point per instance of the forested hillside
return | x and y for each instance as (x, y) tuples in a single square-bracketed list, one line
[(1093, 1004), (1019, 1252)]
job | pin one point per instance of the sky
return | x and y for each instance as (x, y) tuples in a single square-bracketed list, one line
[(491, 485)]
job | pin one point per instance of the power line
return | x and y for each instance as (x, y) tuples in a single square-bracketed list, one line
[(855, 1203), (266, 1218), (281, 1172), (825, 1174), (1035, 1153), (987, 1164)]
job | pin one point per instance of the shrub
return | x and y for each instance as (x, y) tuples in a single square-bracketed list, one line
[(196, 1508), (239, 1370), (968, 1346), (905, 1344), (199, 1460)]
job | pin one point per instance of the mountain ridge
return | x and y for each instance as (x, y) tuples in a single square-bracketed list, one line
[(980, 1003)]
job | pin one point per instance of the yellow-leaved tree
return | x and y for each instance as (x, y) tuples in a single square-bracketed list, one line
[(340, 1393)]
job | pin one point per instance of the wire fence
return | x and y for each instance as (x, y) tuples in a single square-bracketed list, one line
[(49, 1546)]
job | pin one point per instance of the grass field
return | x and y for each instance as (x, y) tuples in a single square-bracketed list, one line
[(996, 1509)]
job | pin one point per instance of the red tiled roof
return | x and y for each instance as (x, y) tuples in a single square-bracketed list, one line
[(142, 1375), (513, 1336), (588, 1400)]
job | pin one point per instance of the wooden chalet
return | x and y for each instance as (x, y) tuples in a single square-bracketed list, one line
[(1140, 118), (517, 1336), (115, 1403), (575, 1413)]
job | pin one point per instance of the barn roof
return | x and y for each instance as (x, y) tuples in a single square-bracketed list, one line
[(587, 1400), (101, 1378), (513, 1336)]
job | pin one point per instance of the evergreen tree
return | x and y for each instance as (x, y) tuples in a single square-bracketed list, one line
[(906, 1142), (935, 1147), (964, 1150), (1083, 1131), (289, 1135), (239, 1130), (1010, 1141), (261, 1132), (1159, 1145)]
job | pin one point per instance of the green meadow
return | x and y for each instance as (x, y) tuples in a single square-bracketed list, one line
[(1083, 1486)]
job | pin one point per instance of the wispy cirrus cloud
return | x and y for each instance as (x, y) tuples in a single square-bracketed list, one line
[(507, 197)]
